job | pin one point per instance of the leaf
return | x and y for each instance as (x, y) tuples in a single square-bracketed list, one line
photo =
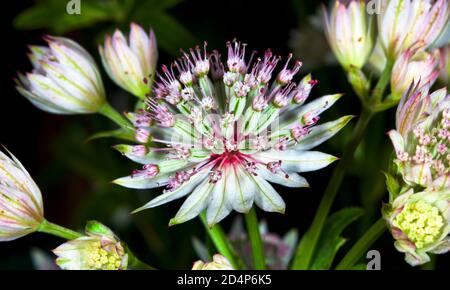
[(53, 14), (359, 267), (392, 186), (331, 241)]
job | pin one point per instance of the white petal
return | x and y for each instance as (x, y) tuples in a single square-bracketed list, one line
[(141, 182), (194, 204), (321, 133), (242, 190), (219, 205), (267, 198), (292, 179), (181, 191), (297, 160)]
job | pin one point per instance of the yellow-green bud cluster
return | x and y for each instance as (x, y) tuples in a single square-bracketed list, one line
[(421, 222), (101, 259)]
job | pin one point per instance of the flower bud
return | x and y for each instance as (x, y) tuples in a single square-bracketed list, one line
[(418, 67), (65, 79), (349, 32), (404, 23), (219, 263), (21, 208), (100, 249), (131, 64)]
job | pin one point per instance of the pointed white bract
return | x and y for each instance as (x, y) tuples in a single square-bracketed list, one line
[(65, 79), (220, 132), (421, 140), (21, 208), (131, 62), (219, 262), (420, 224), (412, 66), (100, 249), (349, 31), (404, 23)]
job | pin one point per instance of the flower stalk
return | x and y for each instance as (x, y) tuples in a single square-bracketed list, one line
[(254, 234), (361, 246), (222, 244), (57, 230), (108, 111)]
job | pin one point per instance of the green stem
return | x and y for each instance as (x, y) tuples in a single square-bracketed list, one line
[(305, 250), (221, 243), (108, 111), (382, 84), (57, 230), (361, 246), (251, 221), (135, 264)]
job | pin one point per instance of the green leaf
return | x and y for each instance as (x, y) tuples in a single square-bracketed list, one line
[(331, 241), (52, 14), (359, 267), (392, 186)]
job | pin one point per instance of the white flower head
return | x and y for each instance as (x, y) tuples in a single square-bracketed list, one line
[(349, 31), (420, 224), (233, 148), (404, 23), (131, 63), (21, 207), (421, 139), (65, 79)]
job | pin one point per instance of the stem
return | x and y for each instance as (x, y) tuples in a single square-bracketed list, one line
[(251, 221), (305, 250), (135, 264), (362, 245), (108, 111), (382, 83), (57, 230), (222, 244)]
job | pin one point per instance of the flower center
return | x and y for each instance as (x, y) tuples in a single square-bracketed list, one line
[(101, 259), (421, 223)]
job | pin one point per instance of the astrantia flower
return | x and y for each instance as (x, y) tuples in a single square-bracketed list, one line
[(403, 23), (131, 64), (226, 132), (100, 249), (414, 66), (21, 208), (420, 224), (349, 32), (421, 140), (65, 79), (219, 262)]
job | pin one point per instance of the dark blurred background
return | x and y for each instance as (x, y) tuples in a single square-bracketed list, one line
[(74, 175)]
